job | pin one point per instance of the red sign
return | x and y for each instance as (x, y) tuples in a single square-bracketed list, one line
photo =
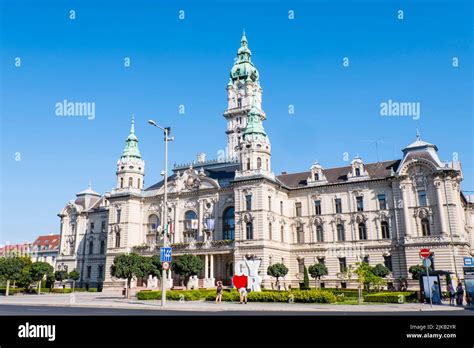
[(166, 266), (425, 253), (240, 281)]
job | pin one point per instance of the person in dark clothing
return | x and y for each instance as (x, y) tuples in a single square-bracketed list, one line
[(459, 294)]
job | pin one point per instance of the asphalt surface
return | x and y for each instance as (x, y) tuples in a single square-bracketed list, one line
[(25, 310)]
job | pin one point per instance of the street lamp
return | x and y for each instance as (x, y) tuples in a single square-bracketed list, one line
[(166, 132)]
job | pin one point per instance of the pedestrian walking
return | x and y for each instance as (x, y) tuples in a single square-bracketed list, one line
[(219, 290), (459, 294), (451, 294), (435, 295)]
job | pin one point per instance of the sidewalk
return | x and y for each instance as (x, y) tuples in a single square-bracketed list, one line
[(110, 300)]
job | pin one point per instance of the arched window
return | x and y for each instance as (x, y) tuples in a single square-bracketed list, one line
[(270, 231), (138, 184), (385, 230), (299, 233), (130, 182), (319, 233), (362, 231), (282, 233), (249, 230), (357, 172), (228, 223), (91, 247), (316, 176), (121, 182), (153, 223), (259, 163), (267, 165), (340, 232), (248, 163), (425, 227), (117, 240), (102, 247)]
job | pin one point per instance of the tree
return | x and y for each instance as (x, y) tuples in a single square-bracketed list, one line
[(277, 271), (381, 270), (39, 271), (317, 271), (10, 269), (366, 277), (24, 279), (156, 266), (74, 275), (416, 271), (187, 266), (129, 266), (305, 279), (60, 276)]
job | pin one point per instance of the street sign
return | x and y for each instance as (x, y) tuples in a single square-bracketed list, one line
[(166, 266), (425, 253), (426, 263), (468, 261), (165, 254)]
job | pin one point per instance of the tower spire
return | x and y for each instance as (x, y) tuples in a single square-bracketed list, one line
[(418, 136), (131, 147)]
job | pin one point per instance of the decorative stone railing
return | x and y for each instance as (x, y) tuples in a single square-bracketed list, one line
[(225, 244)]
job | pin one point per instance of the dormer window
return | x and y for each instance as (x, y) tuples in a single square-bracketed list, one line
[(357, 172), (239, 102), (316, 176)]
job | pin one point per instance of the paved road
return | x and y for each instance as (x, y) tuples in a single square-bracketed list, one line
[(25, 310)]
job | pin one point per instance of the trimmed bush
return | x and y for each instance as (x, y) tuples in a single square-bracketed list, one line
[(12, 291), (43, 290), (61, 291), (232, 295), (391, 297), (92, 290)]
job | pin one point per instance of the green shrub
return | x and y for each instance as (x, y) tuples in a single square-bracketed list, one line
[(391, 297), (92, 290), (61, 291), (11, 291), (43, 290)]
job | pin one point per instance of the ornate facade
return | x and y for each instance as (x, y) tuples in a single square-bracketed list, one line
[(229, 210)]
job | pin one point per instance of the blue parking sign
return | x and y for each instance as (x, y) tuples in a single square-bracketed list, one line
[(468, 261), (165, 254)]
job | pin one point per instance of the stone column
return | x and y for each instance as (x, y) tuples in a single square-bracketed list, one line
[(212, 267), (206, 267), (406, 214), (441, 209)]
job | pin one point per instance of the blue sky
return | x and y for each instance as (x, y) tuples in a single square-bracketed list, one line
[(186, 62)]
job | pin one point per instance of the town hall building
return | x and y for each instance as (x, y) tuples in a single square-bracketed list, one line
[(237, 208)]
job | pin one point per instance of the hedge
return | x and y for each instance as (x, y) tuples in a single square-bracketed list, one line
[(391, 297), (232, 295), (11, 291), (43, 290)]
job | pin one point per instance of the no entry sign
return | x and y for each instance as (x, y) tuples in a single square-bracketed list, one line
[(166, 266), (425, 253)]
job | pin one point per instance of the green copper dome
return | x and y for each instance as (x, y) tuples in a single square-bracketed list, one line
[(131, 147), (254, 129), (243, 68)]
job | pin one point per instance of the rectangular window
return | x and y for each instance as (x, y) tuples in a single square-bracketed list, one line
[(92, 227), (119, 213), (281, 207), (382, 202), (366, 259), (422, 198), (298, 209), (360, 203), (301, 265), (317, 207), (321, 260), (89, 271), (270, 231), (282, 232), (249, 230), (388, 262), (102, 227), (338, 204), (269, 203), (299, 233), (248, 202), (101, 271), (342, 264)]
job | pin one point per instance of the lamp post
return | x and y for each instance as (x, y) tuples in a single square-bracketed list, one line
[(166, 132)]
